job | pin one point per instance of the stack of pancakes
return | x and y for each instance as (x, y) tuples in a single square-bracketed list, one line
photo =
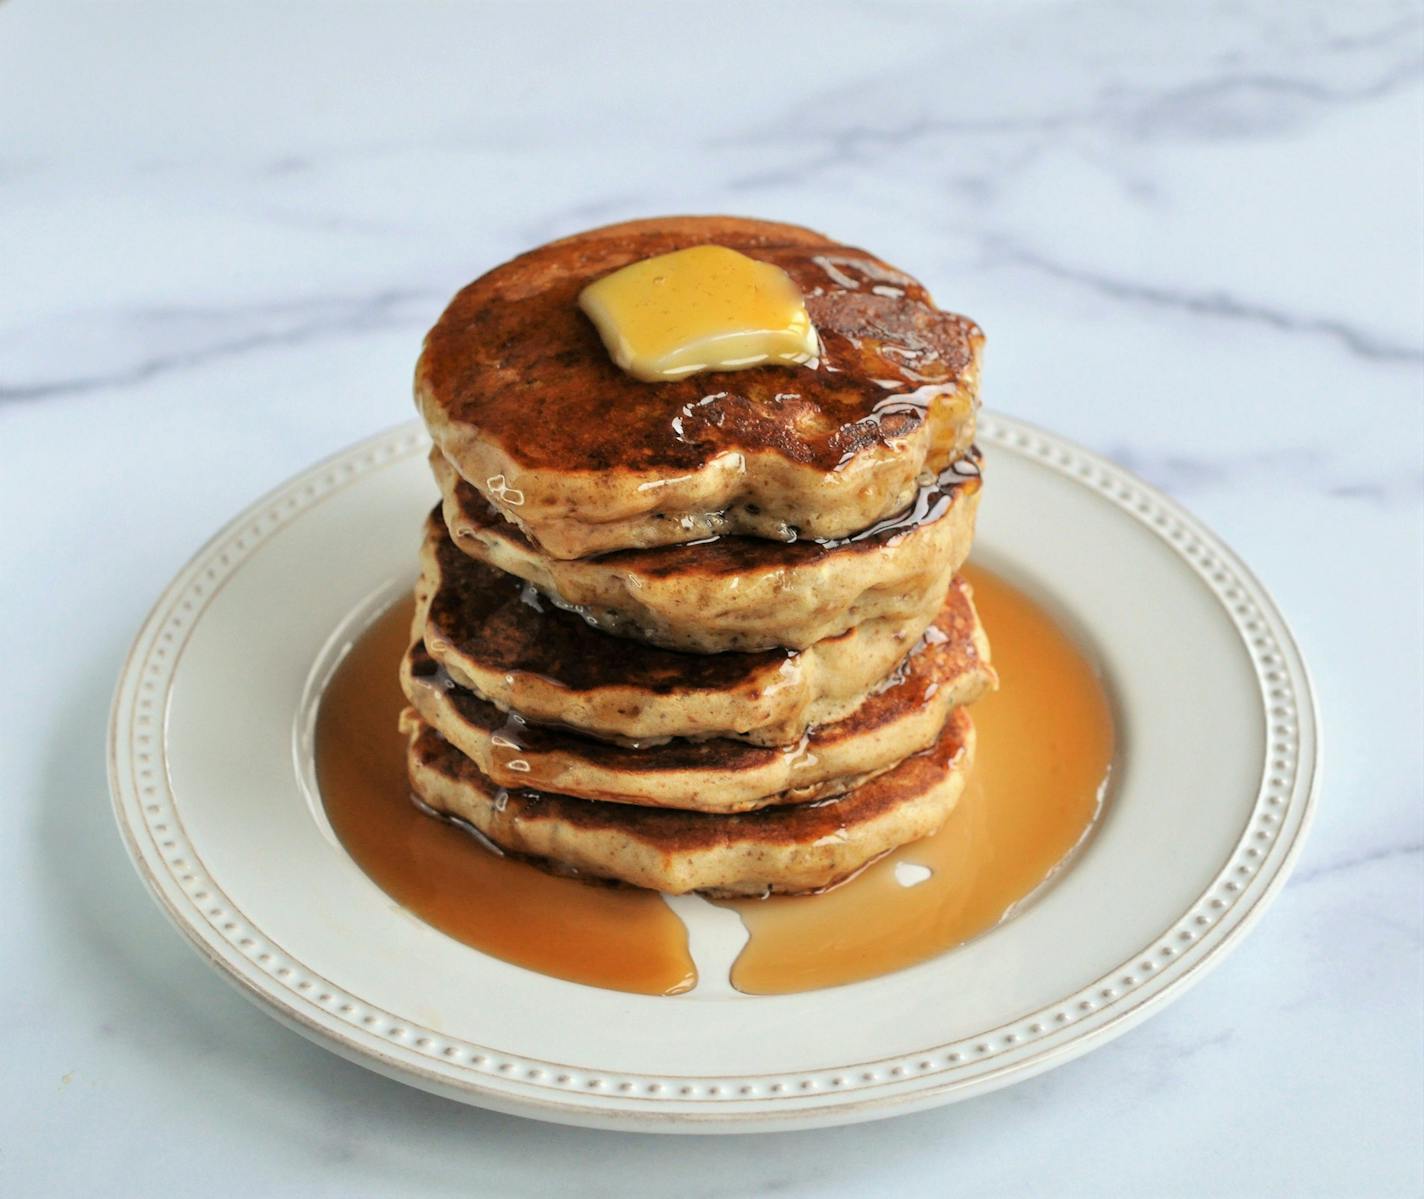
[(704, 634)]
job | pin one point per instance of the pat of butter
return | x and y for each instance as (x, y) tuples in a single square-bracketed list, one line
[(706, 308)]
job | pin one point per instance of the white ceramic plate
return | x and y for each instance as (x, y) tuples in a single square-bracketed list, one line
[(210, 768)]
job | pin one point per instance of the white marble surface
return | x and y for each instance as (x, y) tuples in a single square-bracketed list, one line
[(1194, 236)]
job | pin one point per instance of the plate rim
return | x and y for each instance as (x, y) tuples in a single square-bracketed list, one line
[(505, 1081)]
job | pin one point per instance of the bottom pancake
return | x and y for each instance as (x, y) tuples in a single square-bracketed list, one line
[(788, 850)]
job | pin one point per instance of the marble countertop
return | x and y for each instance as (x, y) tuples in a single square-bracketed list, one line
[(1194, 237)]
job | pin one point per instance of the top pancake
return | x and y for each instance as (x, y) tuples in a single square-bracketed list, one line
[(524, 401)]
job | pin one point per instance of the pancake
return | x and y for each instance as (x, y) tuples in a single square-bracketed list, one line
[(525, 403), (949, 668), (740, 593), (496, 636), (788, 849)]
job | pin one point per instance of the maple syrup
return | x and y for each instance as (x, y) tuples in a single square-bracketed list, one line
[(1045, 746), (607, 936)]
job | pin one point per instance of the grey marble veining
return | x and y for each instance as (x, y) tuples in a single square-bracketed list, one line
[(1194, 236)]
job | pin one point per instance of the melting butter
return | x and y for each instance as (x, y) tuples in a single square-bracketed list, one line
[(706, 308)]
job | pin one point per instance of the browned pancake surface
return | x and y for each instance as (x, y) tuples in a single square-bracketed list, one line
[(515, 358)]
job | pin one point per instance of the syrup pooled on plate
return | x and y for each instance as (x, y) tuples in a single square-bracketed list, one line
[(607, 936), (1045, 745)]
